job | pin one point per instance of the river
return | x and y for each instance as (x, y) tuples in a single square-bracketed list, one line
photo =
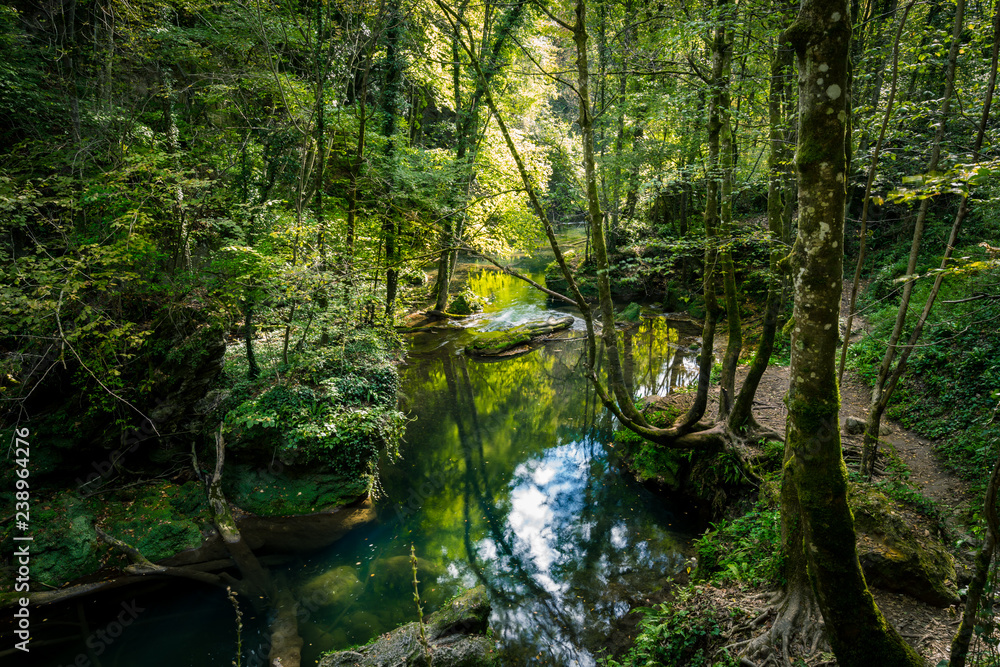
[(507, 477)]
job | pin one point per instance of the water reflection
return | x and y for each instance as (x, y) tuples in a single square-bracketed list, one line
[(508, 479)]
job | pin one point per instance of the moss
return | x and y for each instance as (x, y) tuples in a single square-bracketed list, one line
[(466, 303), (65, 544), (160, 520), (630, 313), (287, 490), (815, 417), (496, 342), (895, 555)]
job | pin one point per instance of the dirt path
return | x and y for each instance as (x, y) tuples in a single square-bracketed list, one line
[(928, 629)]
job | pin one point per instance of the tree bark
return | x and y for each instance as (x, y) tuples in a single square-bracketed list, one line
[(778, 193), (859, 634)]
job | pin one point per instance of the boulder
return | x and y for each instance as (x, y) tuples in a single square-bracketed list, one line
[(337, 587), (896, 556), (495, 343), (854, 426), (465, 303), (456, 636)]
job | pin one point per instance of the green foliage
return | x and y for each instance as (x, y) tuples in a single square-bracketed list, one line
[(746, 549), (946, 393), (337, 408), (678, 632), (648, 460)]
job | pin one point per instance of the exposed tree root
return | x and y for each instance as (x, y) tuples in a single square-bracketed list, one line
[(795, 631)]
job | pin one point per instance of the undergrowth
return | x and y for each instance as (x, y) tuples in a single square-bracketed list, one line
[(683, 631), (745, 549), (948, 391)]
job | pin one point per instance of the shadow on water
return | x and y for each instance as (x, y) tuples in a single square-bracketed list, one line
[(508, 478)]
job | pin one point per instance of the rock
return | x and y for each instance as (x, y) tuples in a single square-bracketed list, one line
[(855, 426), (396, 574), (898, 557), (630, 313), (456, 635), (183, 379), (337, 587), (495, 343), (465, 303)]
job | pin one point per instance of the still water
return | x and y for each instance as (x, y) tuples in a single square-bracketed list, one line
[(507, 478)]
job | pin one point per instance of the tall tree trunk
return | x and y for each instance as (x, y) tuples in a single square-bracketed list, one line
[(778, 193), (734, 343), (859, 634), (393, 81)]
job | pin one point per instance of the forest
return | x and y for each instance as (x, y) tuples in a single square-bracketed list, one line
[(555, 332)]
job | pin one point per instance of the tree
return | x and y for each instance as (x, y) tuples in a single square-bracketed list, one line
[(814, 467)]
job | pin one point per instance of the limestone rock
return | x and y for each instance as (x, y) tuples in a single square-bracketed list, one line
[(896, 556), (456, 635)]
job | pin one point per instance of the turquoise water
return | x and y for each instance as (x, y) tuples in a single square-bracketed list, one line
[(508, 477)]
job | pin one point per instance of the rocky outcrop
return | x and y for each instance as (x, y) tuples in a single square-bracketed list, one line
[(497, 343), (182, 381), (456, 637), (899, 556)]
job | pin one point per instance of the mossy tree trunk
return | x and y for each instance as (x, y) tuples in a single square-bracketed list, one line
[(859, 634), (779, 194)]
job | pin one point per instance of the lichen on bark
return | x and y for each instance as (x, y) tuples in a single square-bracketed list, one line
[(858, 632)]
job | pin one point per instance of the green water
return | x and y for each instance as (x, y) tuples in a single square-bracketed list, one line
[(508, 477)]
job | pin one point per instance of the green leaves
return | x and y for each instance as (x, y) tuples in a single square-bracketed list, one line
[(960, 180)]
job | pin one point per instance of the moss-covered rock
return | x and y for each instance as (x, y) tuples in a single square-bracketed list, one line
[(630, 313), (466, 303), (282, 491), (160, 519), (334, 414), (494, 343), (490, 343), (897, 556), (338, 587), (65, 544), (455, 634)]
